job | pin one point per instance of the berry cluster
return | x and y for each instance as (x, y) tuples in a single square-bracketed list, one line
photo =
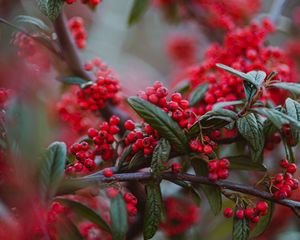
[(272, 141), (218, 169), (283, 183), (205, 146), (244, 50), (215, 14), (76, 25), (102, 145), (130, 200), (180, 216), (142, 139), (177, 107), (182, 49), (253, 214), (30, 50), (69, 112), (92, 3), (95, 96), (55, 210)]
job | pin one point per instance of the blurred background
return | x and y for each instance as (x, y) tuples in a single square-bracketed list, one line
[(139, 54)]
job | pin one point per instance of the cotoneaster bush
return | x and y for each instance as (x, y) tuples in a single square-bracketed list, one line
[(236, 108)]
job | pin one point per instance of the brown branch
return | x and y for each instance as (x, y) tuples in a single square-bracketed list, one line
[(146, 176)]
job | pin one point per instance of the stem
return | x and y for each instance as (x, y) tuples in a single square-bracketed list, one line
[(276, 9), (146, 176)]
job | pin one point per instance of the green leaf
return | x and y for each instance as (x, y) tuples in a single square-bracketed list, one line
[(118, 217), (213, 119), (154, 210), (159, 120), (72, 80), (212, 193), (246, 77), (52, 168), (85, 212), (276, 117), (42, 5), (53, 8), (182, 87), (160, 155), (253, 80), (127, 151), (258, 76), (241, 229), (195, 195), (136, 160), (244, 163), (138, 9), (198, 94), (226, 104), (66, 229), (33, 21), (292, 87), (251, 129), (264, 222), (293, 110)]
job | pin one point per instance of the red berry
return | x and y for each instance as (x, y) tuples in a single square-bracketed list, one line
[(228, 212), (184, 104), (176, 97), (239, 214), (222, 173), (194, 144), (173, 105), (279, 177), (255, 219), (292, 168), (176, 167), (92, 132), (114, 120), (129, 125), (224, 163), (212, 176), (249, 212), (90, 164), (112, 192), (212, 165), (107, 172), (262, 206), (162, 92), (284, 163), (78, 166), (153, 99), (207, 149)]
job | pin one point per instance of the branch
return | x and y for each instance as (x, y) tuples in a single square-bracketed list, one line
[(146, 176), (276, 9)]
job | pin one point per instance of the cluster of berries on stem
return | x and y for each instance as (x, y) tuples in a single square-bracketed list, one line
[(95, 95), (283, 183), (253, 214), (76, 25), (130, 200), (176, 107), (102, 145)]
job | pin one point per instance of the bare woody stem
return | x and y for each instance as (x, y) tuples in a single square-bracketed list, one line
[(146, 176)]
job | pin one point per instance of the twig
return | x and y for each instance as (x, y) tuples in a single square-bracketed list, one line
[(276, 10), (145, 176)]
